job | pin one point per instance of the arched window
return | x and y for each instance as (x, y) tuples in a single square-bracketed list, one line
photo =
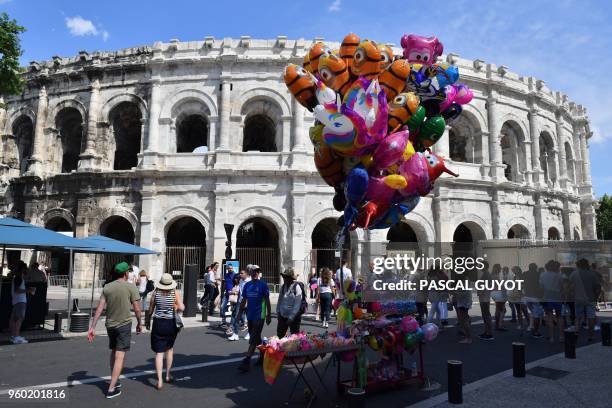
[(457, 146), (60, 260), (23, 131), (126, 122), (553, 234), (192, 132), (119, 228), (518, 231), (569, 162), (547, 157), (69, 124), (513, 151), (259, 134)]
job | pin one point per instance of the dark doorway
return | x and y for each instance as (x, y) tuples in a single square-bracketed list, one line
[(257, 243), (59, 264), (23, 131), (126, 122), (192, 132), (69, 124), (259, 134), (185, 244), (324, 248)]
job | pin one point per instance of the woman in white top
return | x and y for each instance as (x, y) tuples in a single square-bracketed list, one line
[(19, 302), (142, 287), (500, 297), (325, 294)]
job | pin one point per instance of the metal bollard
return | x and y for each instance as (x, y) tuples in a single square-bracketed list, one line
[(455, 381), (606, 334), (518, 359), (356, 398), (57, 325), (205, 313), (570, 343)]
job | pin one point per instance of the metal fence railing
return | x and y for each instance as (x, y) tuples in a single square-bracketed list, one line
[(266, 258), (179, 256), (62, 281)]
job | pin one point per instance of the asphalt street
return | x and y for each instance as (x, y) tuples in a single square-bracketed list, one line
[(207, 371)]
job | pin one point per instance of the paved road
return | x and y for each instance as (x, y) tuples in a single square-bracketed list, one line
[(216, 382)]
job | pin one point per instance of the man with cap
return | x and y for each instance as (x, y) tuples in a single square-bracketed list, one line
[(256, 296), (117, 297), (288, 308)]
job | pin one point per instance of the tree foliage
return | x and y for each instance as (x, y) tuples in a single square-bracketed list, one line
[(10, 50), (604, 218)]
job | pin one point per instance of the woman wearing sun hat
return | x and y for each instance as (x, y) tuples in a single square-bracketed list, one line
[(165, 304)]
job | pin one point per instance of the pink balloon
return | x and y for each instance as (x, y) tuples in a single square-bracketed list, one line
[(451, 92), (464, 94), (390, 149), (409, 324), (417, 175), (378, 190)]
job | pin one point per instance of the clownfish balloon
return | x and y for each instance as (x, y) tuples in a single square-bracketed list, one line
[(301, 85), (334, 73), (387, 56), (348, 47), (402, 108), (316, 51), (393, 79), (367, 59)]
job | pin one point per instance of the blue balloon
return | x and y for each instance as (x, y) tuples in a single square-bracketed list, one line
[(355, 188)]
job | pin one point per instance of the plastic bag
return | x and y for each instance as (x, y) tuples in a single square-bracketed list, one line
[(273, 359)]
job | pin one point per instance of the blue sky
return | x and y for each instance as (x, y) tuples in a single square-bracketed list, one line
[(567, 43)]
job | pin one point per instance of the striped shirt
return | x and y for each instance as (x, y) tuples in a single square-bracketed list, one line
[(164, 304)]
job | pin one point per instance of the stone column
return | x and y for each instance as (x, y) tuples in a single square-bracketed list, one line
[(442, 147), (441, 213), (537, 215), (222, 216), (586, 164), (495, 153), (555, 161), (561, 149), (495, 215), (2, 115), (40, 144), (153, 131), (286, 130), (567, 227), (587, 217), (87, 160), (298, 220), (225, 107), (299, 133), (528, 155), (538, 178)]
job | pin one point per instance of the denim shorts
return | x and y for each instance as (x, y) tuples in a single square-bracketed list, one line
[(536, 309)]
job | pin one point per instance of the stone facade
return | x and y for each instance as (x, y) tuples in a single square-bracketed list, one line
[(109, 135)]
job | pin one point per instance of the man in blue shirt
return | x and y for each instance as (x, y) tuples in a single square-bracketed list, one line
[(256, 299), (227, 284)]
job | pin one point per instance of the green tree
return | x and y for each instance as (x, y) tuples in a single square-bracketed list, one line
[(10, 50), (604, 218)]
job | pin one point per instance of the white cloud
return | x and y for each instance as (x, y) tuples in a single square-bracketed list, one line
[(81, 27), (335, 6)]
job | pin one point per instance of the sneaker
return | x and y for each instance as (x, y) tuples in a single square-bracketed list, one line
[(245, 328), (114, 393), (536, 335), (118, 385), (229, 332), (223, 325), (247, 337), (19, 340), (233, 337)]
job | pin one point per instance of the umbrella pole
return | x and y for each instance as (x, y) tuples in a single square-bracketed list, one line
[(70, 286), (93, 288), (2, 272)]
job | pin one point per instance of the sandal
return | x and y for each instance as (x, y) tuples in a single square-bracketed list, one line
[(170, 379)]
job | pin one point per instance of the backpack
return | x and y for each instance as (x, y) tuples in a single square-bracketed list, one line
[(304, 304), (150, 286)]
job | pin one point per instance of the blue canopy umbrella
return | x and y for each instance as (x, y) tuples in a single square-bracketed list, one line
[(99, 244)]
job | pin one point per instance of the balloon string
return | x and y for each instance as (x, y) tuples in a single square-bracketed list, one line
[(397, 127)]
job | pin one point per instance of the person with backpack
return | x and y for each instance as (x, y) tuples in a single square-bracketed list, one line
[(289, 307)]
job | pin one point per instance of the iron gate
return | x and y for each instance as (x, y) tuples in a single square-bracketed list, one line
[(179, 256), (326, 257), (266, 258)]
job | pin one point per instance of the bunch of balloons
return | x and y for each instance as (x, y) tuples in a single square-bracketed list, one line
[(377, 114), (402, 335)]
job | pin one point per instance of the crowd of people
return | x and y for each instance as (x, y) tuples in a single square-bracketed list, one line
[(548, 297)]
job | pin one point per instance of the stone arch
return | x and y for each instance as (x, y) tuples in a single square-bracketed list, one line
[(422, 227), (518, 231), (262, 93), (115, 100), (477, 225), (519, 123), (270, 215), (474, 115), (63, 104), (185, 95), (119, 228), (548, 155), (16, 114), (127, 129), (120, 212), (58, 212), (554, 233), (20, 147), (262, 124), (175, 213)]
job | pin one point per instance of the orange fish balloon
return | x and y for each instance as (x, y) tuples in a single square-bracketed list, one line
[(316, 51), (301, 85), (348, 48), (367, 59), (334, 73), (387, 56), (402, 108), (393, 79)]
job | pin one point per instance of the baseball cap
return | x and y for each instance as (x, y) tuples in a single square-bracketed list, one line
[(121, 268)]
